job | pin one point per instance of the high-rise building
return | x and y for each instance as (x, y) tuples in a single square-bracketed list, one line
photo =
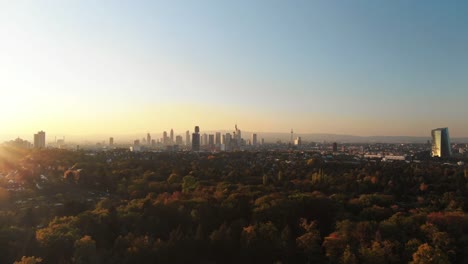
[(187, 138), (335, 147), (148, 139), (204, 140), (298, 141), (179, 141), (218, 138), (228, 140), (111, 141), (211, 140), (254, 139), (441, 143), (172, 136), (39, 140), (196, 139), (165, 139)]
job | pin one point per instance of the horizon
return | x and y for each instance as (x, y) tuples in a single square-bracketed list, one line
[(129, 137), (362, 68)]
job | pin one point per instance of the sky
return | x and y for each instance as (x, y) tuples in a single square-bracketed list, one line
[(86, 67)]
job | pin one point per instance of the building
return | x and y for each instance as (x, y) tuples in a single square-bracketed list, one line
[(19, 143), (187, 138), (179, 141), (441, 143), (165, 139), (228, 140), (39, 140), (335, 147), (211, 140), (204, 140), (111, 141), (172, 136), (218, 138), (148, 139), (298, 141), (196, 139), (254, 139)]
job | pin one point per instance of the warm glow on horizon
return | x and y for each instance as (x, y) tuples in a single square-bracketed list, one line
[(141, 67)]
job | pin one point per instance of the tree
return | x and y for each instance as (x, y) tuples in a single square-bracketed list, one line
[(189, 184), (85, 251), (29, 260), (58, 238), (428, 255)]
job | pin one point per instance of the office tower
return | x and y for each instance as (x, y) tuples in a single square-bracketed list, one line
[(148, 138), (204, 139), (223, 139), (254, 139), (165, 139), (298, 141), (39, 140), (335, 147), (211, 140), (179, 141), (218, 138), (196, 139), (441, 143), (238, 135), (111, 141), (136, 142), (228, 140), (172, 136), (187, 138), (263, 141)]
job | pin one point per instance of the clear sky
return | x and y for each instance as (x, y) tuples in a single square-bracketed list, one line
[(344, 67)]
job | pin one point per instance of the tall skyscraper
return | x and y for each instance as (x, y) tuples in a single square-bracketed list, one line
[(111, 141), (196, 139), (172, 136), (179, 140), (441, 143), (204, 140), (335, 147), (165, 138), (39, 140), (211, 140), (298, 141), (187, 138), (254, 139), (218, 138), (148, 138)]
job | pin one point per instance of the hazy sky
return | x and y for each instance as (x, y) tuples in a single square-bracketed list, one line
[(344, 67)]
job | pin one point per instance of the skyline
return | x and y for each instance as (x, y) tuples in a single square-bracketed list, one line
[(363, 68)]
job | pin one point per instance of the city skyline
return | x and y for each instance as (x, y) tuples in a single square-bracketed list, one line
[(367, 69)]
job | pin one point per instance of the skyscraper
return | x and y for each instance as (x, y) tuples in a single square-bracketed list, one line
[(204, 140), (196, 139), (39, 140), (172, 136), (218, 138), (441, 143), (148, 138), (165, 138), (111, 141), (211, 140), (254, 139), (179, 140), (187, 138)]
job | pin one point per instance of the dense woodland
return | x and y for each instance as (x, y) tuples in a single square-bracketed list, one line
[(61, 206)]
